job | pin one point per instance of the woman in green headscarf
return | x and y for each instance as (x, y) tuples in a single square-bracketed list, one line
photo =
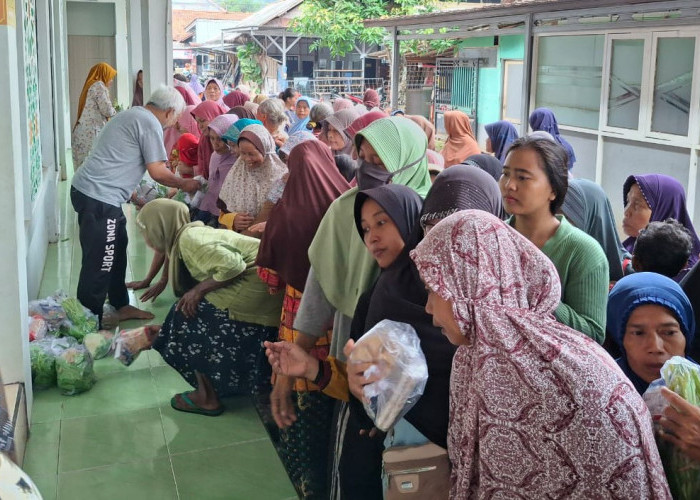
[(212, 335), (390, 150)]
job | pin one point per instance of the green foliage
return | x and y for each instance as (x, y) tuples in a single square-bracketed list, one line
[(420, 47), (339, 24), (250, 67)]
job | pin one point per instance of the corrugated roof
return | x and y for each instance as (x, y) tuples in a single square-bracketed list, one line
[(268, 13), (183, 18)]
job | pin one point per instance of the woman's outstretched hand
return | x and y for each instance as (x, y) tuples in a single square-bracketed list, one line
[(291, 360)]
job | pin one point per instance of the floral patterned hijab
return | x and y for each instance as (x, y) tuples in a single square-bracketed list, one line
[(536, 409)]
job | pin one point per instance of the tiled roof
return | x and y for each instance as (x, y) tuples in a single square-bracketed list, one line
[(183, 18)]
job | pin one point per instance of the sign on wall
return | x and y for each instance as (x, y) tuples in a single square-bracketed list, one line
[(32, 93)]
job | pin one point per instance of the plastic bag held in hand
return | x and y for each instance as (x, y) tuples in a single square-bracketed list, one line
[(394, 349), (129, 343)]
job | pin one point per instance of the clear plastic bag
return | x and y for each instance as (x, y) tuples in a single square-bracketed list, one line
[(74, 371), (394, 349), (682, 376), (43, 354), (50, 310), (99, 344), (80, 320), (128, 344), (37, 328)]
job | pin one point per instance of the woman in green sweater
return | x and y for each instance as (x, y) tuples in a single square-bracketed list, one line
[(533, 185)]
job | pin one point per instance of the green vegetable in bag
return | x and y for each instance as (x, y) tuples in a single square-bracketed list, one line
[(82, 321), (43, 365), (74, 370), (98, 344), (683, 473)]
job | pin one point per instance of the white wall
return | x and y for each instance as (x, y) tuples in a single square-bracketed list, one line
[(207, 30)]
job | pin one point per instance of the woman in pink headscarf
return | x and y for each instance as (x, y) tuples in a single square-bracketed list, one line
[(205, 113), (537, 410), (235, 98), (370, 99), (214, 91), (341, 104)]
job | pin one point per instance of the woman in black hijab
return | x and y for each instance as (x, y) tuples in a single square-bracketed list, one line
[(487, 163)]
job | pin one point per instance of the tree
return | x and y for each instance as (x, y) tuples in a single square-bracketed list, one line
[(339, 23)]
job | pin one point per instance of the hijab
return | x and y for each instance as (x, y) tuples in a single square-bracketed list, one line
[(502, 133), (187, 122), (162, 222), (244, 189), (234, 131), (208, 110), (252, 107), (222, 123), (186, 96), (640, 289), (461, 143), (587, 207), (462, 188), (544, 119), (235, 98), (666, 198), (371, 99), (427, 127), (219, 165), (187, 146), (295, 139), (691, 286), (435, 158), (313, 184), (101, 72), (362, 122), (300, 124), (489, 164), (220, 101), (137, 100), (195, 85), (341, 121), (242, 112), (533, 403), (341, 263), (341, 104), (400, 295)]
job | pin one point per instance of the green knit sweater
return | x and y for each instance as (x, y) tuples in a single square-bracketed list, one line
[(583, 271)]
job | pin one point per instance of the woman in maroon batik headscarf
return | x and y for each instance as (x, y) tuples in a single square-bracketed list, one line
[(537, 410), (205, 113)]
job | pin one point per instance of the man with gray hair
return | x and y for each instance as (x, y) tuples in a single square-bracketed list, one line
[(128, 146)]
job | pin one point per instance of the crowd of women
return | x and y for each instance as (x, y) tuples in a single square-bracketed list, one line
[(540, 328)]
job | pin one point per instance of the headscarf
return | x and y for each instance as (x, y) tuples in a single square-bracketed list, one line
[(544, 119), (137, 100), (252, 107), (187, 146), (295, 139), (162, 222), (666, 198), (400, 295), (533, 403), (188, 123), (462, 188), (435, 158), (371, 98), (242, 112), (220, 101), (235, 98), (427, 127), (342, 265), (461, 143), (489, 164), (222, 123), (244, 189), (195, 85), (587, 207), (362, 122), (170, 137), (100, 72), (313, 184), (300, 125), (193, 97), (640, 289), (341, 104), (691, 286), (189, 101), (341, 121), (208, 110), (234, 131), (502, 133)]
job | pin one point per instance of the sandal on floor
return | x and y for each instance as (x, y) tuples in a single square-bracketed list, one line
[(193, 408)]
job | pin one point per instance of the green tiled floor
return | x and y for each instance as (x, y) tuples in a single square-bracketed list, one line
[(121, 440)]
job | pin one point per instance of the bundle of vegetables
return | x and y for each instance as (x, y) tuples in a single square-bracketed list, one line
[(98, 344), (80, 320), (74, 371), (43, 364), (682, 377)]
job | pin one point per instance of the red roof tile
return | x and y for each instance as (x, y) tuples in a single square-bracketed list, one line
[(183, 18)]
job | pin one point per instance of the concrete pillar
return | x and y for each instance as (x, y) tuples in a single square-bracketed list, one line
[(395, 63), (134, 40), (14, 339), (61, 94), (157, 39), (121, 48), (527, 77)]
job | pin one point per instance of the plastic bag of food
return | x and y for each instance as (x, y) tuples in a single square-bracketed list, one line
[(98, 344), (50, 310), (43, 361), (682, 377), (81, 320), (129, 343), (74, 371), (37, 328), (394, 349)]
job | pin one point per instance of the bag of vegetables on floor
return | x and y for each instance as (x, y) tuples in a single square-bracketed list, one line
[(74, 371)]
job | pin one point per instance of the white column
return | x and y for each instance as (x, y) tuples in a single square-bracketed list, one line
[(134, 39), (157, 40), (527, 77), (61, 94), (395, 61), (125, 79), (14, 354)]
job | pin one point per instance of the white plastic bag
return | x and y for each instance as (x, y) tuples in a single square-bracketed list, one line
[(394, 349)]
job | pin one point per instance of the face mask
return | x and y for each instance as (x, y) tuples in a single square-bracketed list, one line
[(371, 176)]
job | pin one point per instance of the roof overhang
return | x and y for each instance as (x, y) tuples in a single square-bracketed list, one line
[(544, 16)]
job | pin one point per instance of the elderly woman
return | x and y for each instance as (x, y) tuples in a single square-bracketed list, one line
[(532, 402), (212, 335), (250, 180), (94, 109), (271, 113), (203, 114)]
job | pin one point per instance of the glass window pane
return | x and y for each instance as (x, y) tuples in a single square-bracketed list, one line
[(672, 85), (625, 83), (569, 75)]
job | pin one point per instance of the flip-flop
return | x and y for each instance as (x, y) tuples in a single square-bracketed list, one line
[(193, 408)]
